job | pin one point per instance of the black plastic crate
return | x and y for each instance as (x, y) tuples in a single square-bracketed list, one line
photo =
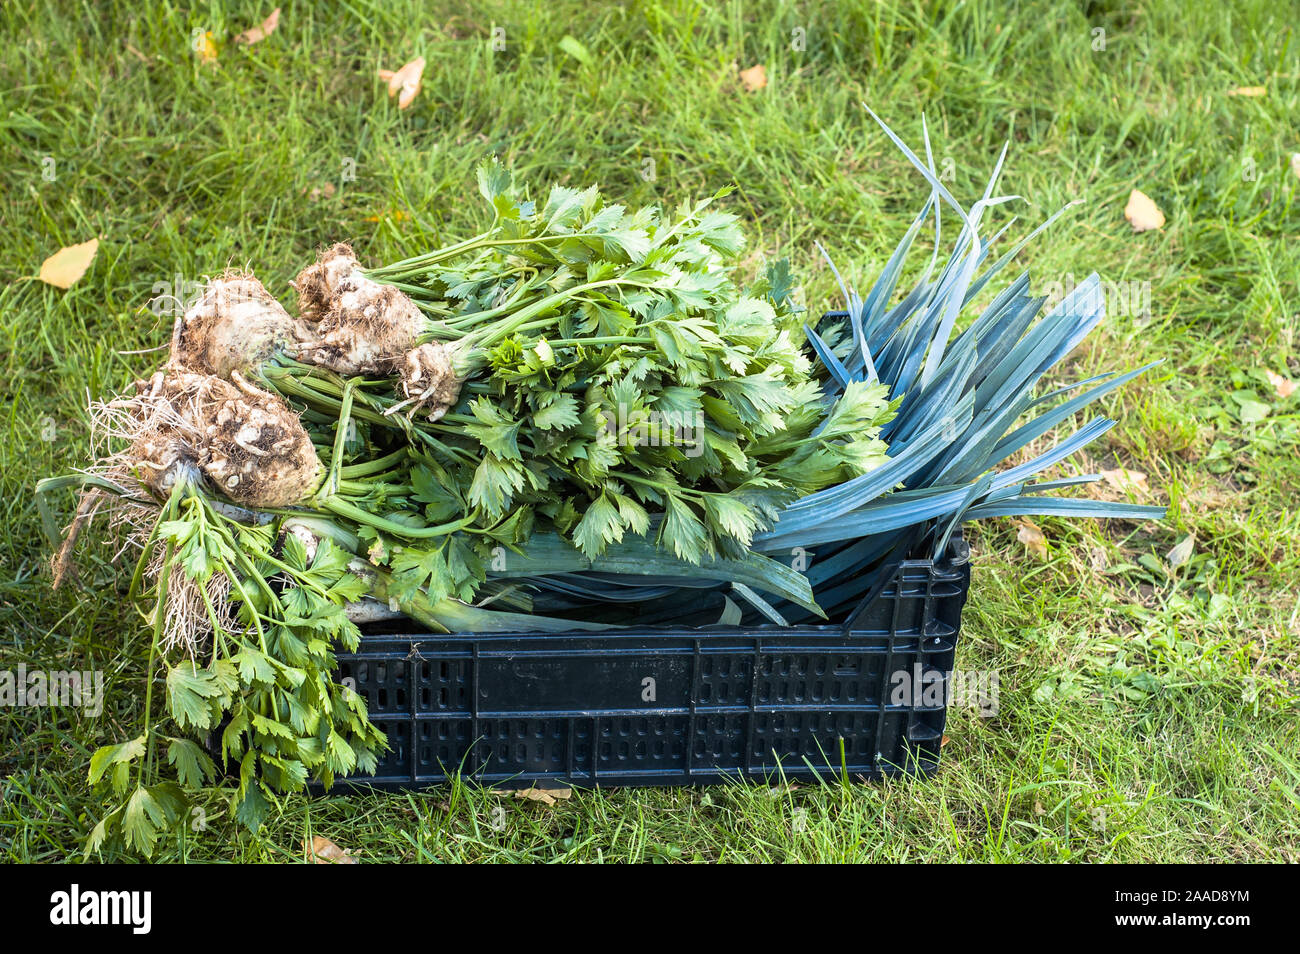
[(660, 706)]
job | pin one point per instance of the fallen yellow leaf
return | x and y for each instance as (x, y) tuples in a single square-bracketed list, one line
[(260, 32), (1282, 387), (1127, 481), (1251, 91), (1031, 535), (205, 47), (754, 78), (404, 83), (66, 265), (322, 851), (1142, 213)]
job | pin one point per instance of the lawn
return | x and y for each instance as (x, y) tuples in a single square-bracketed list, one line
[(1148, 699)]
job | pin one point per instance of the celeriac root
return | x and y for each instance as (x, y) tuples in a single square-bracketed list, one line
[(361, 326), (185, 426), (182, 425), (256, 449), (428, 381), (236, 326)]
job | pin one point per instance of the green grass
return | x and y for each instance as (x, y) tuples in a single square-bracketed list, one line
[(1147, 713)]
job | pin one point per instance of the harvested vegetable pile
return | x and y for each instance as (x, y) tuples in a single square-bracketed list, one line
[(550, 426)]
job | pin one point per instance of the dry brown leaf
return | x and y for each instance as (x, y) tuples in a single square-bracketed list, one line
[(1142, 213), (1031, 535), (1250, 91), (547, 796), (66, 265), (205, 48), (322, 851), (404, 83), (1127, 481), (1282, 387), (260, 32), (754, 78)]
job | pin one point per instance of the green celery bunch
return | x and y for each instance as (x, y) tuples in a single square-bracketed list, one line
[(618, 383)]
